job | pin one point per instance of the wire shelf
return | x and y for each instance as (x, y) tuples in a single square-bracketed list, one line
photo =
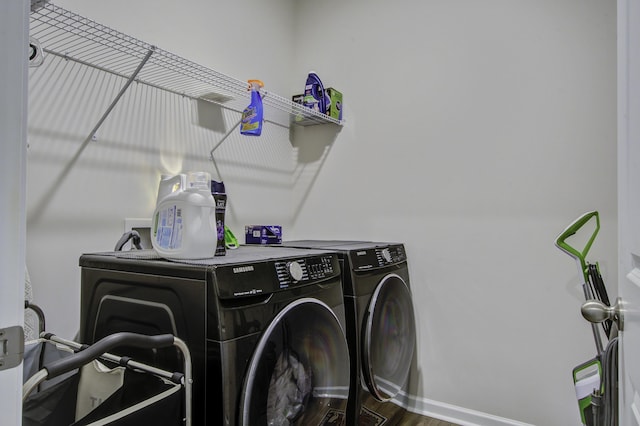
[(66, 34)]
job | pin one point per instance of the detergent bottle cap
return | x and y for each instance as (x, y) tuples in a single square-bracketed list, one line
[(199, 181)]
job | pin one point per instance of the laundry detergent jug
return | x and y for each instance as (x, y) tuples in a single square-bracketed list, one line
[(170, 184), (184, 222)]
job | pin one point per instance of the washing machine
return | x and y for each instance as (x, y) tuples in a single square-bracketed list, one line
[(381, 329), (265, 327)]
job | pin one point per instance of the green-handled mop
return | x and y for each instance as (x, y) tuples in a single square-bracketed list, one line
[(593, 386)]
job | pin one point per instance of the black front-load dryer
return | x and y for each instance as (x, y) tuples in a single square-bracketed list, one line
[(265, 328), (381, 328)]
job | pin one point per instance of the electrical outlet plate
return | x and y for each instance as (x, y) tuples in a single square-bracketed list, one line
[(143, 226), (132, 223)]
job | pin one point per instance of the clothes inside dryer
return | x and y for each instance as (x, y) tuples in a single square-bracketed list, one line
[(298, 370)]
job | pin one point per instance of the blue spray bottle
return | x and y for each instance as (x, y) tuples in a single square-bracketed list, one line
[(251, 124)]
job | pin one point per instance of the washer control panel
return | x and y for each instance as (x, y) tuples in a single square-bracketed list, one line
[(378, 257), (264, 270), (304, 270)]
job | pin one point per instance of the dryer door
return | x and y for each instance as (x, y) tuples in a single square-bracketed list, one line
[(389, 338), (299, 373)]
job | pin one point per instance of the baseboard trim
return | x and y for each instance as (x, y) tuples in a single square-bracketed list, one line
[(452, 413)]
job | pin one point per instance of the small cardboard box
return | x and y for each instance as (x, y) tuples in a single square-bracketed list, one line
[(297, 99), (335, 109), (299, 118), (263, 234)]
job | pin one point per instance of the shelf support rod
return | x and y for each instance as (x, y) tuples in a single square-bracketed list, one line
[(118, 96), (224, 138)]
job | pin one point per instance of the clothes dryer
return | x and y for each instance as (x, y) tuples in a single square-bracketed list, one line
[(380, 318), (265, 328)]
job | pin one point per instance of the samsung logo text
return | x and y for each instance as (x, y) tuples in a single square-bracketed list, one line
[(242, 269)]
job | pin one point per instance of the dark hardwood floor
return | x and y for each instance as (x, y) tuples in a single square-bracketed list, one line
[(392, 415), (376, 413)]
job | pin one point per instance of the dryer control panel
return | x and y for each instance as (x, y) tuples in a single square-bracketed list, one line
[(304, 270), (378, 257)]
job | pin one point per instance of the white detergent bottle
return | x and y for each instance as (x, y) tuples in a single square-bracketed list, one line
[(170, 184), (184, 223)]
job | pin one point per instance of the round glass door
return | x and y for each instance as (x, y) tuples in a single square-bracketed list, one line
[(389, 338), (299, 373)]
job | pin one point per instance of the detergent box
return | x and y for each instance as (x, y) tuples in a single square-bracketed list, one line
[(297, 99), (335, 109), (263, 234), (300, 119)]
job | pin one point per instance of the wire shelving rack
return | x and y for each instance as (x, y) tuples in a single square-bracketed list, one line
[(66, 34)]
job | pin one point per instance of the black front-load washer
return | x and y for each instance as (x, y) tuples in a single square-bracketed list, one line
[(265, 328), (381, 328)]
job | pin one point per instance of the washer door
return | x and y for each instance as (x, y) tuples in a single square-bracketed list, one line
[(389, 338), (299, 373)]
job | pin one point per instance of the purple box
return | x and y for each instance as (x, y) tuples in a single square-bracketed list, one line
[(263, 234)]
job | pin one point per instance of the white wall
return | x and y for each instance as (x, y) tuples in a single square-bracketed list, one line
[(148, 133), (476, 131)]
